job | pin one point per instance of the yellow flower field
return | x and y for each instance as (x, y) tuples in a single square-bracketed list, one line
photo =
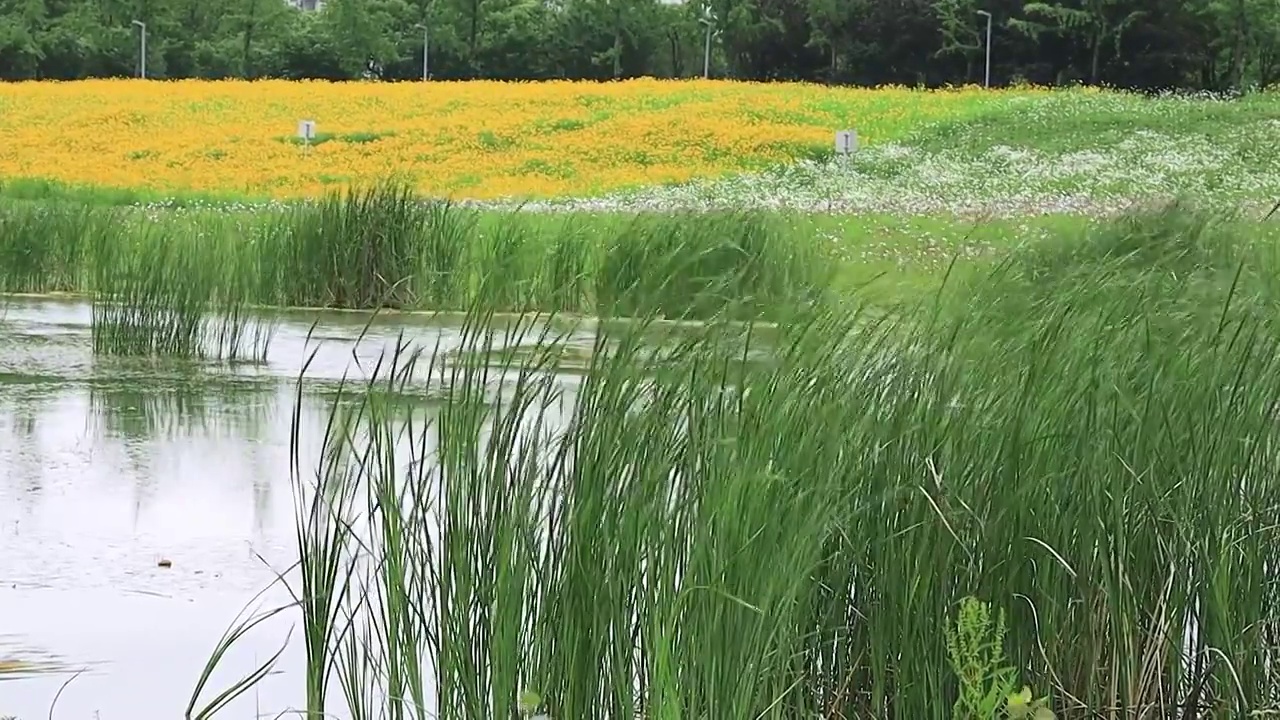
[(464, 140)]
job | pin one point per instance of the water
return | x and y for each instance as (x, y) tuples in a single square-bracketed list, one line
[(110, 466)]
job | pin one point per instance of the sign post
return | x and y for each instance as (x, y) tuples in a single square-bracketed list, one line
[(846, 142), (306, 131)]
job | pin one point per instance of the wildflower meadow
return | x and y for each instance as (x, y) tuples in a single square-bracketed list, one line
[(478, 140), (648, 144)]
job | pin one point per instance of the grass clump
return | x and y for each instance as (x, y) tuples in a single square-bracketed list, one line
[(161, 295), (357, 250)]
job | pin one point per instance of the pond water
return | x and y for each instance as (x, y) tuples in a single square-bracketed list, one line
[(110, 466)]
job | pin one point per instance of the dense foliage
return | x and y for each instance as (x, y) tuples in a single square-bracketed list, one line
[(1211, 44)]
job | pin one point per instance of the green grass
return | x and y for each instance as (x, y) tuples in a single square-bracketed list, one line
[(36, 189), (1084, 437), (1071, 122)]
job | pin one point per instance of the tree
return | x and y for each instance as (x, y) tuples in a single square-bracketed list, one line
[(960, 31), (618, 38), (1185, 43), (1098, 23), (361, 32)]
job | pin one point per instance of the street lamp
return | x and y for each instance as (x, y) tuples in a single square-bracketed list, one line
[(426, 48), (709, 19), (143, 62), (986, 78)]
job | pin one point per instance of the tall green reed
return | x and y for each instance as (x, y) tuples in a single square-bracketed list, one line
[(494, 555), (383, 247), (1148, 372), (355, 250), (568, 263), (42, 246), (160, 294), (695, 530), (694, 265)]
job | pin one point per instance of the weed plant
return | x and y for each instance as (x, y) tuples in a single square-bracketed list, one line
[(690, 533)]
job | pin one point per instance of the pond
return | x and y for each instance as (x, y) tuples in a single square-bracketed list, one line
[(144, 503)]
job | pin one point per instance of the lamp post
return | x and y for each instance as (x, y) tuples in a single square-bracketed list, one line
[(986, 77), (709, 19), (426, 49), (142, 65)]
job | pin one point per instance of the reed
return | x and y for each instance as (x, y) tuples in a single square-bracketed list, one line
[(43, 245), (163, 295), (357, 250), (382, 247), (730, 526), (695, 265), (183, 284)]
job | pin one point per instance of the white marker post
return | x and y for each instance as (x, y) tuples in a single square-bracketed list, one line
[(306, 131), (846, 142)]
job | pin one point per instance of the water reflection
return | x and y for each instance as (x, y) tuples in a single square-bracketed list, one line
[(101, 483), (110, 465), (190, 405), (107, 467)]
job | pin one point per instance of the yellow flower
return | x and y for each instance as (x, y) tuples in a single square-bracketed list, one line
[(464, 139)]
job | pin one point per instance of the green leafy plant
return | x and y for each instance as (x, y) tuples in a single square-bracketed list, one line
[(1021, 706), (528, 704), (975, 648)]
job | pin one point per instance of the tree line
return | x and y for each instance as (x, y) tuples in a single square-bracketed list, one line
[(1190, 44)]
